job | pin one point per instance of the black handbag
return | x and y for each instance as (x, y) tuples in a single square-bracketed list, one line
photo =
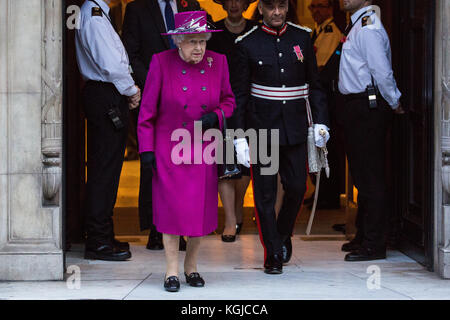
[(226, 170)]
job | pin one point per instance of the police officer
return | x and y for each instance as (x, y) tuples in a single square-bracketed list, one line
[(108, 94), (370, 91), (276, 61)]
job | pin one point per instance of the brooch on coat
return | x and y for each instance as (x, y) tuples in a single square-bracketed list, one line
[(184, 3), (210, 61), (298, 53)]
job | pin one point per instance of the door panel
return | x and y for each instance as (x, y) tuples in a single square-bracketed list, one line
[(412, 39)]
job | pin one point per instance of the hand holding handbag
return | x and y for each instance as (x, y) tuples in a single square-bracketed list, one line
[(226, 170)]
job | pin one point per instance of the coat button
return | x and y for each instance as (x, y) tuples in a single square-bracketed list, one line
[(185, 107), (183, 72), (184, 124), (284, 101), (282, 70), (280, 54), (202, 71), (278, 40), (260, 63), (184, 88), (204, 107), (203, 88)]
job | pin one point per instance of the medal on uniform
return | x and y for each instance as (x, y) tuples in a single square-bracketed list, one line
[(298, 53), (210, 61)]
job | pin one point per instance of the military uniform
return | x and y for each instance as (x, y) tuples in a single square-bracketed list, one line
[(104, 65), (274, 67), (366, 60)]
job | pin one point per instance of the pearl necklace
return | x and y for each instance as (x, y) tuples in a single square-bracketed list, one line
[(233, 25)]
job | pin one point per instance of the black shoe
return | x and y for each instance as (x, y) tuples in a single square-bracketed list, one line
[(365, 254), (351, 246), (287, 250), (182, 246), (125, 246), (155, 242), (239, 228), (106, 252), (195, 280), (273, 264), (172, 284), (228, 238)]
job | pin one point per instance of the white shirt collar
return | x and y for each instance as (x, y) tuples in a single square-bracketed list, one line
[(358, 13), (164, 1)]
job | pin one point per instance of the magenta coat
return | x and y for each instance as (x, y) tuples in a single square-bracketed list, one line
[(176, 94)]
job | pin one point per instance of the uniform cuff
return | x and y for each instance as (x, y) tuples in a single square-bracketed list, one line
[(131, 91)]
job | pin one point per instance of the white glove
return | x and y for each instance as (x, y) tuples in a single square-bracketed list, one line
[(242, 152), (321, 135)]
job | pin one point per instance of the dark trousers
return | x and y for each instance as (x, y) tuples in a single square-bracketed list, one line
[(105, 152), (293, 177), (145, 187), (365, 138)]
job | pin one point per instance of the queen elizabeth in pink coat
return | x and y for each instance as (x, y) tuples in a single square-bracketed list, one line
[(183, 85)]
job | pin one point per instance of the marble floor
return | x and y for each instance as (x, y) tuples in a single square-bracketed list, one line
[(233, 271)]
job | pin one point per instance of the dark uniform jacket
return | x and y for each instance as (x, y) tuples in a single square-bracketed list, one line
[(141, 33), (267, 57)]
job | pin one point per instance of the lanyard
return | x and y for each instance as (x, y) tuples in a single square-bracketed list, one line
[(107, 15), (350, 26)]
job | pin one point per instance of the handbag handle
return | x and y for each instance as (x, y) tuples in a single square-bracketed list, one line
[(224, 120)]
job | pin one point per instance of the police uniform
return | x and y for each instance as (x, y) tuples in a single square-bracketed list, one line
[(366, 60), (103, 63), (327, 41), (275, 67)]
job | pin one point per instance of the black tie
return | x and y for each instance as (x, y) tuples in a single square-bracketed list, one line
[(170, 21)]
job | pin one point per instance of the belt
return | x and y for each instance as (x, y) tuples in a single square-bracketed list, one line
[(355, 96), (279, 93)]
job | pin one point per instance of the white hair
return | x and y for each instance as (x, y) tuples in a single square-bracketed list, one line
[(179, 38)]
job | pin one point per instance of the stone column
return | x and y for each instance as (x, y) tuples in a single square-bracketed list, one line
[(30, 140), (442, 101)]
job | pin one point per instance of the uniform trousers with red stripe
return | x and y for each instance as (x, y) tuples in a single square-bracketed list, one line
[(292, 170)]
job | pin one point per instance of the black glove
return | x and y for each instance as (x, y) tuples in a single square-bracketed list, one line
[(209, 120), (148, 160)]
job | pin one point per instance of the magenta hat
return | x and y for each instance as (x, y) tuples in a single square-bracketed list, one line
[(190, 22)]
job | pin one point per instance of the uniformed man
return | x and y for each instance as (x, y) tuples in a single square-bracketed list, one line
[(276, 62), (326, 35), (366, 79), (327, 38), (108, 94)]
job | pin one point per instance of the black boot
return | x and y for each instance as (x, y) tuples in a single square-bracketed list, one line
[(274, 264), (287, 250), (155, 241)]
